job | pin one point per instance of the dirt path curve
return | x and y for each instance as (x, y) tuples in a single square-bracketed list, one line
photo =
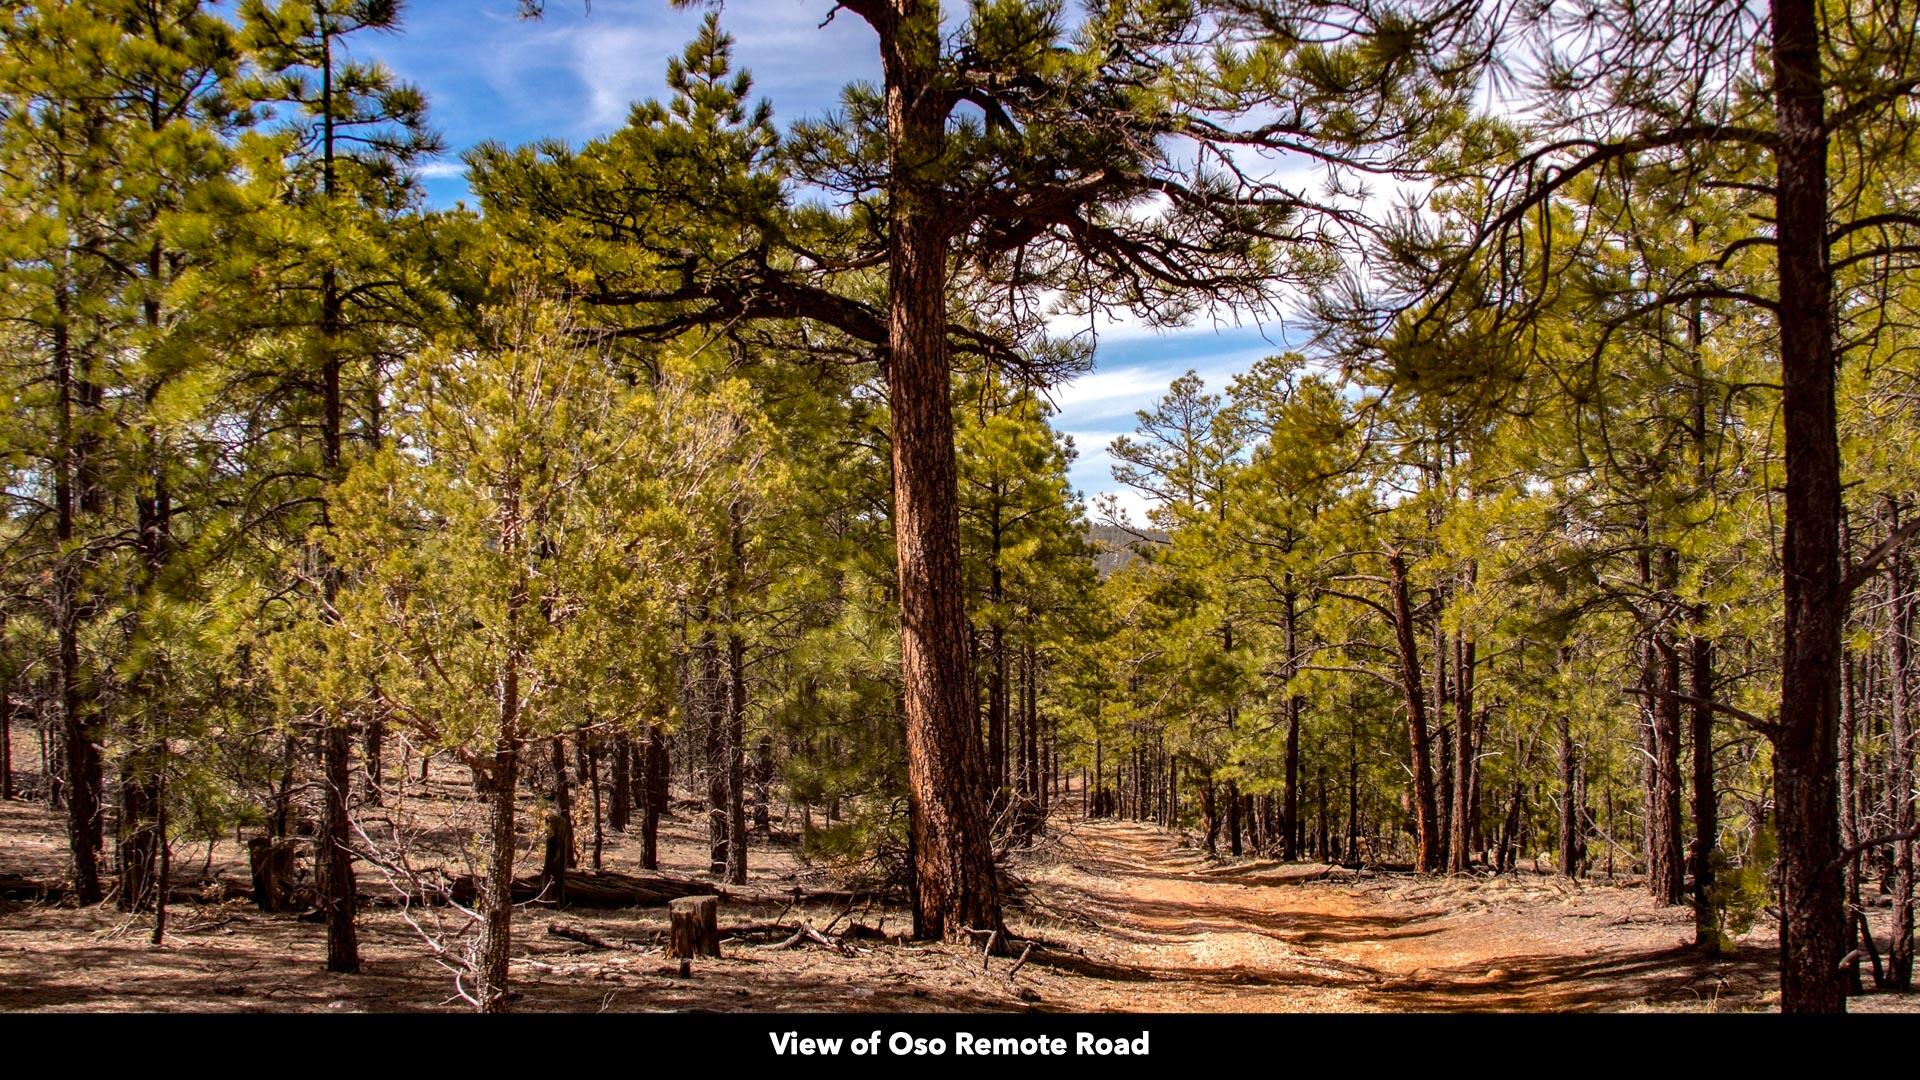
[(1254, 935)]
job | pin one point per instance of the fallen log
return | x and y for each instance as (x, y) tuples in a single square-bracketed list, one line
[(585, 937), (18, 888), (599, 889)]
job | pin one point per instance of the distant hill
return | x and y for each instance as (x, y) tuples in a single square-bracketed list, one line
[(1117, 547)]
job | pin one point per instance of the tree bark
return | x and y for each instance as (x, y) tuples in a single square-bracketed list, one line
[(1427, 814), (6, 739), (620, 793), (496, 896), (1569, 800), (1900, 764), (956, 882), (736, 757), (655, 767), (75, 494), (1706, 807), (1806, 738), (1290, 811), (1460, 840)]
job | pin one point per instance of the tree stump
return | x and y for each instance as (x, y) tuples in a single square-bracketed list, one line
[(271, 860), (695, 927)]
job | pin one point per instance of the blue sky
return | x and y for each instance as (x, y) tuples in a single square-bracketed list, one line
[(489, 74)]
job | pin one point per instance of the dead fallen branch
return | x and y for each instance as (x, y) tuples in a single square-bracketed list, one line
[(585, 937)]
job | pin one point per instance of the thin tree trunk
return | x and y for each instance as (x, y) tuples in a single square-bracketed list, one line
[(6, 738), (1706, 808), (563, 799), (763, 787), (333, 862), (655, 766), (620, 795), (735, 762), (1900, 764), (496, 898), (1569, 800), (1460, 840), (1427, 814), (74, 493)]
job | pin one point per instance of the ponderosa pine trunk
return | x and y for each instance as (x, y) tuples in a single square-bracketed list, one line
[(496, 895), (1211, 815), (1850, 823), (713, 711), (333, 859), (6, 734), (1666, 874), (997, 681), (956, 883), (562, 800), (1806, 737), (1900, 764), (620, 784), (1569, 796), (736, 759), (1290, 811), (1233, 817), (655, 767), (763, 787), (1426, 811), (1460, 837), (1706, 806), (75, 494)]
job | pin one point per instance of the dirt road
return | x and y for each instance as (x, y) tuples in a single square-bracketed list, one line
[(1166, 928)]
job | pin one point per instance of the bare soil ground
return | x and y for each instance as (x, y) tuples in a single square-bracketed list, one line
[(1128, 919)]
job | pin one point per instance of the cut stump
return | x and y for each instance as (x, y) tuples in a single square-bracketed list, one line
[(695, 927)]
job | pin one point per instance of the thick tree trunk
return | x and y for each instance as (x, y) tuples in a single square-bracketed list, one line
[(956, 882), (1806, 740)]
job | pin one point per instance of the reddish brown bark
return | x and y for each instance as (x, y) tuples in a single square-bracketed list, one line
[(1806, 739), (1426, 808), (956, 882)]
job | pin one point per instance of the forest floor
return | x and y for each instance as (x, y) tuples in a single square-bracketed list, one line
[(1129, 918)]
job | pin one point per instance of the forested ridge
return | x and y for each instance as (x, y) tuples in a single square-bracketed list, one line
[(428, 555)]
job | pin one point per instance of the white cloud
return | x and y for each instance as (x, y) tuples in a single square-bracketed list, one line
[(1117, 384)]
